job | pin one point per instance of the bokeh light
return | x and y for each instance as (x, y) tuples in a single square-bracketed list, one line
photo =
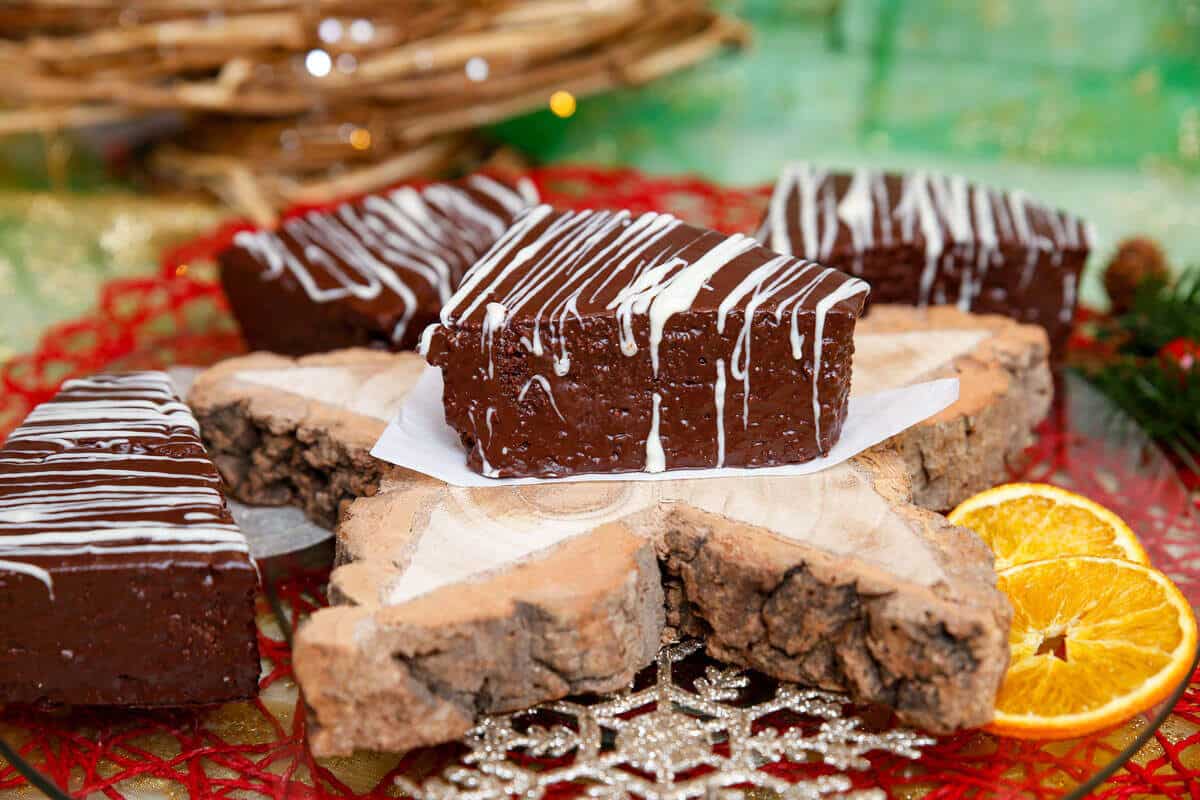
[(362, 31), (318, 63), (477, 69), (330, 30), (562, 103)]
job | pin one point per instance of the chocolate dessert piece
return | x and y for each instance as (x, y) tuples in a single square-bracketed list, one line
[(600, 341), (924, 239), (285, 431), (372, 272), (123, 578)]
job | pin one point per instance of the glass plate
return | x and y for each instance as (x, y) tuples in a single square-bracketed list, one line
[(257, 748)]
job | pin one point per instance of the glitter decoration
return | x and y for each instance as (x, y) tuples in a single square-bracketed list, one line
[(651, 741)]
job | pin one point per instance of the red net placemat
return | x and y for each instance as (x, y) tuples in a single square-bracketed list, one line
[(257, 748)]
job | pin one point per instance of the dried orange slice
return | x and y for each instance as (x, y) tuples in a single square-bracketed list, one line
[(1094, 641), (1025, 522)]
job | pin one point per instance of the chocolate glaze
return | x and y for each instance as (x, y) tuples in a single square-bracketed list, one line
[(372, 272), (922, 239), (123, 577), (598, 341)]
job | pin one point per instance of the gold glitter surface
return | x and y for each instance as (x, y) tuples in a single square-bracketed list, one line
[(58, 250)]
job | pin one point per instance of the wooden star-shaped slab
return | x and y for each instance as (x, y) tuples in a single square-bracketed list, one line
[(288, 431), (455, 602)]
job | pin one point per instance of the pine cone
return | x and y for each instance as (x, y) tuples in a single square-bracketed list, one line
[(1137, 260)]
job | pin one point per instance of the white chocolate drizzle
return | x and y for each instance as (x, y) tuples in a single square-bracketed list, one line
[(1065, 314), (541, 381), (42, 575), (843, 292), (763, 284), (80, 477), (655, 459), (389, 244), (856, 211), (678, 293), (719, 402)]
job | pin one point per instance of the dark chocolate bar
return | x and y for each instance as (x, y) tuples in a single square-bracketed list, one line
[(926, 239), (368, 273), (123, 578), (600, 341)]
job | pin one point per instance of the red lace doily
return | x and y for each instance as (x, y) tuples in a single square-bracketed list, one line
[(258, 749)]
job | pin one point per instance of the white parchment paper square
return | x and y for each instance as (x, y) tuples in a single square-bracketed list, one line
[(419, 438)]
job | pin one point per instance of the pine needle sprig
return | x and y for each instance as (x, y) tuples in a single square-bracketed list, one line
[(1162, 399), (1162, 313), (1162, 396)]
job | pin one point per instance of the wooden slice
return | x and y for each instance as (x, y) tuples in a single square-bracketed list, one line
[(287, 431), (458, 602), (455, 602), (1005, 390)]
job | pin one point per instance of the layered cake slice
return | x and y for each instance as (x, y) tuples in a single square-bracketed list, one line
[(600, 341), (372, 272), (123, 578), (925, 239)]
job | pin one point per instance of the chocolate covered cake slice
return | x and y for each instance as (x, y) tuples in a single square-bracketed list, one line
[(123, 578), (600, 341), (372, 272), (926, 239), (300, 431)]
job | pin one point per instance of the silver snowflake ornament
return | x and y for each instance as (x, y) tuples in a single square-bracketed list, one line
[(688, 728)]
